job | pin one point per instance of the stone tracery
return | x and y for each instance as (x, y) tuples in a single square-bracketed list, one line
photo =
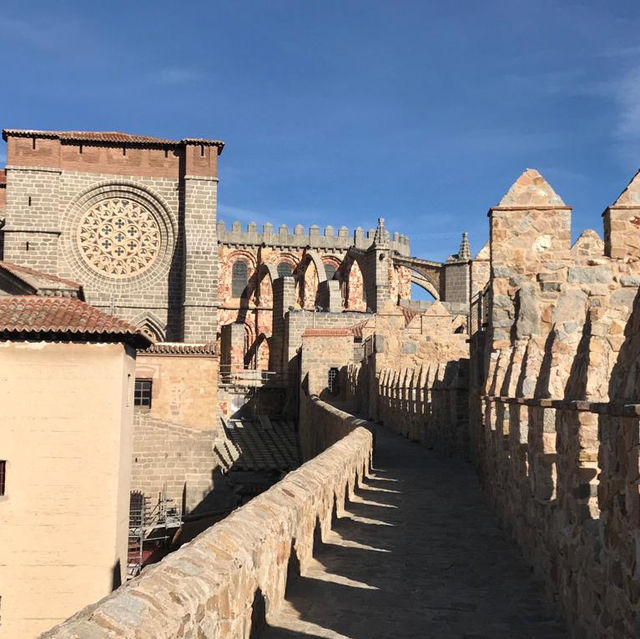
[(119, 237)]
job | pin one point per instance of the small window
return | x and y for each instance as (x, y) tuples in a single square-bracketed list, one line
[(332, 381), (284, 269), (330, 270), (239, 278), (3, 476), (142, 393)]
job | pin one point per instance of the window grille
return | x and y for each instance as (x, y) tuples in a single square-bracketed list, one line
[(239, 278), (284, 269), (332, 380), (142, 393), (3, 475)]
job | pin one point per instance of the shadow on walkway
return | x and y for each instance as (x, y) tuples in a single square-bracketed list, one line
[(418, 554)]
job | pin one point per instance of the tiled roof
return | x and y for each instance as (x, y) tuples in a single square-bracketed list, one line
[(260, 444), (181, 348), (117, 137), (24, 316), (42, 283)]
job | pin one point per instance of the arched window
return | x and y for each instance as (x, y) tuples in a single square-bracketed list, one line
[(239, 278), (330, 270), (284, 269)]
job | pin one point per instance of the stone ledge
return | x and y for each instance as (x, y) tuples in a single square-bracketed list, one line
[(614, 409), (207, 588)]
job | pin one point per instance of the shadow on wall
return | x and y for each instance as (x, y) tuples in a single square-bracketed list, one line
[(429, 406), (369, 577), (571, 448)]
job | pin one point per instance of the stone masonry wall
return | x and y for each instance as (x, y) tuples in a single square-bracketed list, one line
[(414, 375), (557, 439), (234, 575), (172, 459), (133, 222)]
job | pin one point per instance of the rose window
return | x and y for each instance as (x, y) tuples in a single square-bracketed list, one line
[(119, 237)]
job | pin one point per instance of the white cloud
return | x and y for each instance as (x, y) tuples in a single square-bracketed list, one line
[(626, 131), (627, 95)]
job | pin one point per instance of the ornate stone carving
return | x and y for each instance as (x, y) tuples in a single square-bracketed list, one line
[(119, 237)]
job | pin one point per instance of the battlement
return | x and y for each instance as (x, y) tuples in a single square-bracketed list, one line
[(328, 239)]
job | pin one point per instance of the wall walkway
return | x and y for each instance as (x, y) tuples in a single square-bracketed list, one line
[(419, 553)]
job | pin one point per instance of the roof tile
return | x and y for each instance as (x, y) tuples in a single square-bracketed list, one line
[(31, 314), (117, 137)]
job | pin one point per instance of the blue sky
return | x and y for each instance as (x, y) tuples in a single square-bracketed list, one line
[(338, 112)]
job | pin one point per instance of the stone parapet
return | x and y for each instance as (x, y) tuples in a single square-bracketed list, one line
[(234, 574), (328, 239), (571, 501)]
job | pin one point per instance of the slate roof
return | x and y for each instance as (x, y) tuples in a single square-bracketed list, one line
[(259, 445), (41, 283), (115, 137), (29, 316)]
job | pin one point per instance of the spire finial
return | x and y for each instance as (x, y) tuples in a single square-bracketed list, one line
[(381, 236), (465, 250)]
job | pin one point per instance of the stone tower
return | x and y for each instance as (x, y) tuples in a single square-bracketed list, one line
[(132, 218)]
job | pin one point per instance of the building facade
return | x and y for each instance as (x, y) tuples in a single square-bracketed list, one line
[(66, 389), (134, 219)]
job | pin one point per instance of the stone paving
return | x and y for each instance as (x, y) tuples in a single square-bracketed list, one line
[(419, 554)]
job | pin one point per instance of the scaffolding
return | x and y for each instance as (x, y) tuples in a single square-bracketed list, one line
[(149, 527)]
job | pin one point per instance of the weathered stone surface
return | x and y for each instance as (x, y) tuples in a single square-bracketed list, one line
[(416, 556), (246, 553), (528, 305), (590, 274)]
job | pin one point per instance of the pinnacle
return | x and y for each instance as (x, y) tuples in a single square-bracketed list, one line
[(464, 253), (631, 195), (531, 190)]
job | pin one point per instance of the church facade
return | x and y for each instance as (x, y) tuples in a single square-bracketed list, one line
[(134, 219)]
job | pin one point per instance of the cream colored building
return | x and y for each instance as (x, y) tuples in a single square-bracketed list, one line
[(66, 394)]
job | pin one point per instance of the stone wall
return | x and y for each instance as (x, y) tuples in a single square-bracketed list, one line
[(184, 383), (412, 374), (132, 219), (330, 273), (174, 460), (559, 401), (231, 577)]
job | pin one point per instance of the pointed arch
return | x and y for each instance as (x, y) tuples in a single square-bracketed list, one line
[(354, 292), (331, 265), (230, 266), (151, 325), (308, 275)]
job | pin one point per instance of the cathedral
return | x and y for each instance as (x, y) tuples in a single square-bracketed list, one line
[(134, 220)]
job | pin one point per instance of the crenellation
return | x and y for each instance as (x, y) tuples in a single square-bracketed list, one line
[(313, 238)]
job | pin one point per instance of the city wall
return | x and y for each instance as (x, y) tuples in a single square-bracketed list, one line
[(230, 578), (557, 434), (412, 374)]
